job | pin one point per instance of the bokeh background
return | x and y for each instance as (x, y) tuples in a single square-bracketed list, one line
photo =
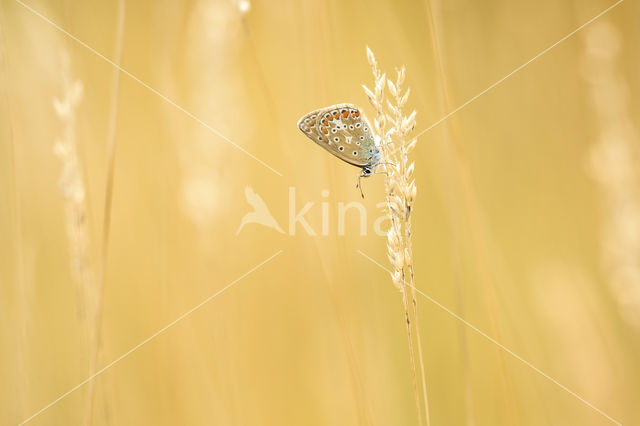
[(527, 222)]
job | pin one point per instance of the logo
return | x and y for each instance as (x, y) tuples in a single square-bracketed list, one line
[(261, 215)]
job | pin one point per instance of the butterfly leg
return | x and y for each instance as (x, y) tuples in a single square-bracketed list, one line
[(359, 186), (382, 173), (366, 172), (386, 164)]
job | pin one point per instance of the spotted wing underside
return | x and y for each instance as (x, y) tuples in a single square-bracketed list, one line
[(343, 131)]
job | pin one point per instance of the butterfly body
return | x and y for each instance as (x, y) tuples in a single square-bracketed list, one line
[(343, 131)]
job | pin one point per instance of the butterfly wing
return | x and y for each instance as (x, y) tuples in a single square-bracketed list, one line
[(343, 131)]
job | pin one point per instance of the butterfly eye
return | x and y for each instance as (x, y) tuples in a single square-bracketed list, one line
[(319, 138), (336, 139), (366, 128), (351, 126), (341, 148), (334, 130), (361, 138), (355, 153), (358, 125), (357, 143)]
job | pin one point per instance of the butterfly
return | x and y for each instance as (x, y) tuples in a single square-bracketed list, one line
[(344, 131)]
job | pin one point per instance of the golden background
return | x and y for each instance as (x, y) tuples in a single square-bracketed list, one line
[(527, 222)]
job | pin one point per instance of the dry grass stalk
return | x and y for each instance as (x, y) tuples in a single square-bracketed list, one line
[(454, 134), (614, 162), (73, 188), (395, 146), (24, 294), (108, 195), (73, 191), (474, 216)]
